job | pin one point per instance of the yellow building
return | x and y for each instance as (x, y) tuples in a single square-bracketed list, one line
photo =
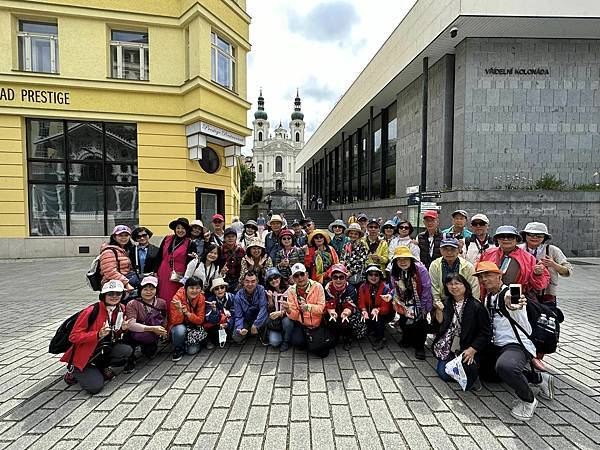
[(117, 112)]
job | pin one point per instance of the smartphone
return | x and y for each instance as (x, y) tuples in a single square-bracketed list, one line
[(515, 293)]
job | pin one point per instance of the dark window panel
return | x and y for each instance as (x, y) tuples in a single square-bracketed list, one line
[(45, 139), (47, 171), (87, 210), (85, 140), (47, 203)]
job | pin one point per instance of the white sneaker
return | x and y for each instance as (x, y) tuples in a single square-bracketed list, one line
[(546, 386), (524, 411)]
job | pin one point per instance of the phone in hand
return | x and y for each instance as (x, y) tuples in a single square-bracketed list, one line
[(515, 293)]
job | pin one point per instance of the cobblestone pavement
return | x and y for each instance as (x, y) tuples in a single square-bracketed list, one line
[(250, 396)]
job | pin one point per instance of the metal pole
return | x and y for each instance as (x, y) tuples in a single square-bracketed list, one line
[(423, 185)]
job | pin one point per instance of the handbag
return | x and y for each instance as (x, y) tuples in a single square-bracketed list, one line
[(176, 276), (154, 317), (194, 335), (318, 338)]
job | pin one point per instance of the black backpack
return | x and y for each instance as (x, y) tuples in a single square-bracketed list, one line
[(94, 276), (60, 343)]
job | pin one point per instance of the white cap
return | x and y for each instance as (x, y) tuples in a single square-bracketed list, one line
[(112, 286), (297, 268), (481, 217), (149, 280)]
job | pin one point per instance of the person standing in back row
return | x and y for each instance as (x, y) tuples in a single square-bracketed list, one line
[(430, 239)]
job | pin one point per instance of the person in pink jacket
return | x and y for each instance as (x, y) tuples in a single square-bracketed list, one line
[(304, 307), (517, 265), (114, 259)]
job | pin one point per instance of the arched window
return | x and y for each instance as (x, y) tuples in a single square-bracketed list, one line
[(260, 135), (297, 136), (278, 164), (260, 168)]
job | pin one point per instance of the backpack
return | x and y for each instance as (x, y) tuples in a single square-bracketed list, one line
[(94, 276), (60, 343), (545, 326)]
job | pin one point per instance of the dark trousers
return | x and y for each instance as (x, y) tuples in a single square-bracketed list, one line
[(378, 326), (341, 331), (293, 333), (413, 334), (509, 364), (239, 338), (147, 349), (471, 370), (91, 378)]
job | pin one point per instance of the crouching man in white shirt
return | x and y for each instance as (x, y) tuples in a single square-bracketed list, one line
[(508, 357)]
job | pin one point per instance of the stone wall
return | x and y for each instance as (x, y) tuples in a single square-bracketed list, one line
[(525, 126)]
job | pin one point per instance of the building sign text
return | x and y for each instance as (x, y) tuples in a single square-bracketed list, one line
[(516, 71), (36, 96)]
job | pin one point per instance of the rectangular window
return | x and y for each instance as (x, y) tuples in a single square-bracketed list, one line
[(222, 58), (390, 160), (38, 46), (82, 177), (129, 55), (376, 159)]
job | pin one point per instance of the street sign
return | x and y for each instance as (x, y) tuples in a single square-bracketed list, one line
[(429, 205), (412, 189), (431, 194)]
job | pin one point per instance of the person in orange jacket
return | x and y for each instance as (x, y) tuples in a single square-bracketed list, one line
[(304, 307), (96, 345), (186, 315)]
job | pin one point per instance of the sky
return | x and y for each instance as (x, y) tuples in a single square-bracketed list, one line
[(316, 46)]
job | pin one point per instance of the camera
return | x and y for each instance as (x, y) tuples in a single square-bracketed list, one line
[(453, 32)]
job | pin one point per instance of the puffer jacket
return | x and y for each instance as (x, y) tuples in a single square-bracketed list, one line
[(365, 300), (315, 296), (196, 308), (109, 268)]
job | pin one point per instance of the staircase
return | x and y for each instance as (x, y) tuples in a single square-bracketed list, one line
[(322, 217)]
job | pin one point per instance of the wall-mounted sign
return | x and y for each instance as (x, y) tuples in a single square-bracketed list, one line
[(211, 130), (516, 71), (35, 96)]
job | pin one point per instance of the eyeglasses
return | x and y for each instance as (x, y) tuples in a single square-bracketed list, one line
[(113, 294), (298, 274), (478, 224), (338, 277), (506, 237), (403, 228), (536, 236), (219, 288)]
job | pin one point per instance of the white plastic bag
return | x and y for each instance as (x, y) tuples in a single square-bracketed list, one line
[(456, 370), (222, 337)]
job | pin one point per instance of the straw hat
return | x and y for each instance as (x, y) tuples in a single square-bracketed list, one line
[(323, 233)]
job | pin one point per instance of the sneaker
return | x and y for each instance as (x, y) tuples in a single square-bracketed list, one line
[(524, 410), (420, 353), (347, 345), (107, 373), (130, 366), (378, 344), (210, 345), (69, 378), (284, 347), (177, 355), (546, 386), (477, 386)]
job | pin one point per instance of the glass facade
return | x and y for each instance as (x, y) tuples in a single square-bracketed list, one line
[(390, 154), (376, 159), (82, 177)]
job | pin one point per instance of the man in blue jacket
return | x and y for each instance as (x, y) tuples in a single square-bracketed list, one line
[(249, 308)]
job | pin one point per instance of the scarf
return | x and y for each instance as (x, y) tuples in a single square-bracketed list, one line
[(323, 261)]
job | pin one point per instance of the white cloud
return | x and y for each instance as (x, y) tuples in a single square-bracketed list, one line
[(318, 46)]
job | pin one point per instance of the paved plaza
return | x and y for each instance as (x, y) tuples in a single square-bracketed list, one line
[(251, 396)]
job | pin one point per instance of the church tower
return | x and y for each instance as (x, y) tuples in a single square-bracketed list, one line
[(260, 123), (297, 124)]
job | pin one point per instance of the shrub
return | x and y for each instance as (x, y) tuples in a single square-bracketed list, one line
[(253, 194), (550, 183)]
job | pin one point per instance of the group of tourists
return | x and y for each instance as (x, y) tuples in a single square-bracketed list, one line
[(313, 289)]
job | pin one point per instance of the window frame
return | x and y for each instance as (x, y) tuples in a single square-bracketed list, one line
[(216, 51), (67, 182), (27, 58), (120, 46)]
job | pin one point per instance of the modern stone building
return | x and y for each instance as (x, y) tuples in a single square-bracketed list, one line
[(493, 96), (274, 155)]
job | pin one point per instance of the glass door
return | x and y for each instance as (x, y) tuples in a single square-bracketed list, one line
[(208, 203)]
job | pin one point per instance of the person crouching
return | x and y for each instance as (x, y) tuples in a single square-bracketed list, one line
[(375, 303), (340, 303), (96, 346), (186, 316)]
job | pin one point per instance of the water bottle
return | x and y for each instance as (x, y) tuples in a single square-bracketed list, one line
[(552, 323), (543, 320)]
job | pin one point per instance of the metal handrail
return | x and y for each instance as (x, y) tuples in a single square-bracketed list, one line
[(300, 208)]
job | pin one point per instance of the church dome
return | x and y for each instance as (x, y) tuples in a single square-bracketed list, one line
[(297, 115), (261, 114)]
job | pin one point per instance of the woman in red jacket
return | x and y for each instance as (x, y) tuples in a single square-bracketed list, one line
[(186, 316), (96, 345), (320, 256), (375, 303)]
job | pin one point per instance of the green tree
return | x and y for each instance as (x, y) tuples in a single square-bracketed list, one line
[(247, 178), (252, 195)]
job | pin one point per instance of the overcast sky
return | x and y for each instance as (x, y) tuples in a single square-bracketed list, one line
[(318, 46)]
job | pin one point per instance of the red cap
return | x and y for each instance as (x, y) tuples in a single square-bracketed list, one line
[(430, 213), (217, 217)]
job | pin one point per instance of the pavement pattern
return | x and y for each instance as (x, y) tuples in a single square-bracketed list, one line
[(252, 397)]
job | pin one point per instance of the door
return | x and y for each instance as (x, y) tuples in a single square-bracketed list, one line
[(208, 203)]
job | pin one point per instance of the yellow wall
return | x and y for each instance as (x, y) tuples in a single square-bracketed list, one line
[(179, 92)]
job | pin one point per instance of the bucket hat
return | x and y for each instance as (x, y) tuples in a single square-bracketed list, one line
[(337, 223), (216, 282), (486, 266), (536, 228), (355, 227), (507, 229), (403, 252)]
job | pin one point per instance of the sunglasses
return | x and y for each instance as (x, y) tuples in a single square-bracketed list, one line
[(403, 228), (298, 274), (319, 237), (142, 235), (286, 238), (338, 277), (219, 288), (506, 237), (536, 236), (336, 226)]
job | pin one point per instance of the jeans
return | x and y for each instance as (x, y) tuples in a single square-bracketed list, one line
[(470, 370), (91, 378), (275, 338), (292, 332), (178, 338)]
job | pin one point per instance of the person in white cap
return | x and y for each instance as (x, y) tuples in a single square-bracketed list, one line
[(272, 237), (96, 338), (458, 229), (114, 258), (148, 316), (479, 241)]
